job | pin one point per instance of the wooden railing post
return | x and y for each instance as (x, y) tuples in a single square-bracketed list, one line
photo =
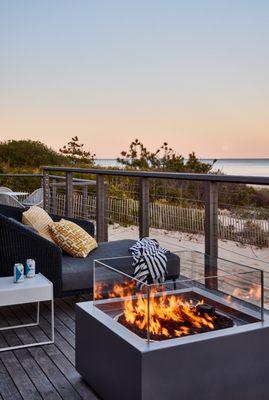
[(211, 233), (41, 181), (101, 209), (54, 197), (85, 202), (69, 195), (46, 190), (143, 207)]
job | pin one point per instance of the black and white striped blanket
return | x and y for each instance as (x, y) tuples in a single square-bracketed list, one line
[(149, 260)]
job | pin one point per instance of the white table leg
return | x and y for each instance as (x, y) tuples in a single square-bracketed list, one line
[(32, 324), (5, 328), (38, 313), (52, 321)]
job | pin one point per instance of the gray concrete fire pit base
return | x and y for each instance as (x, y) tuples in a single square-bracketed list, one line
[(231, 364)]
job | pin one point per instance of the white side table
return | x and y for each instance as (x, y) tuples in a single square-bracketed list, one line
[(31, 290)]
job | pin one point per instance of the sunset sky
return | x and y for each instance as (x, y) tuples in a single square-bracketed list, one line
[(193, 73)]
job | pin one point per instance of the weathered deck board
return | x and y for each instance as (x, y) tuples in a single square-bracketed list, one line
[(28, 363), (8, 388), (45, 372)]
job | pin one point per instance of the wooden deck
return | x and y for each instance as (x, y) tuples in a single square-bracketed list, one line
[(42, 372)]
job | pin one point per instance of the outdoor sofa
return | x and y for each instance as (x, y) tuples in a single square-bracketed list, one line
[(69, 275)]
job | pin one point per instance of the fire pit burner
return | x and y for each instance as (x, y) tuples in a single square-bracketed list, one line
[(163, 316), (175, 329)]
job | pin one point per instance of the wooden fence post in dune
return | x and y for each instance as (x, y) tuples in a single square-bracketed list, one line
[(101, 209), (143, 207), (46, 190), (69, 195), (211, 233)]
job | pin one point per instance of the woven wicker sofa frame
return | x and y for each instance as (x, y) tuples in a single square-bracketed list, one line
[(69, 275)]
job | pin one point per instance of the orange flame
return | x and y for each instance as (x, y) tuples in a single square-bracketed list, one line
[(254, 293), (163, 309), (102, 290), (159, 312), (98, 290)]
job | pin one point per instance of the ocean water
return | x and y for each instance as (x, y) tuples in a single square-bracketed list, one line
[(229, 166)]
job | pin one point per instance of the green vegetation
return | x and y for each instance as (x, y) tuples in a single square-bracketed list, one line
[(30, 155), (75, 153), (253, 230), (163, 158), (27, 154)]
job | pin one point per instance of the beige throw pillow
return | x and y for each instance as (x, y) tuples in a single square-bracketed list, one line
[(39, 219), (72, 238)]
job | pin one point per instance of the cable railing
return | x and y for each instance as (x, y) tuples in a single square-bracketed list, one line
[(211, 181), (145, 204)]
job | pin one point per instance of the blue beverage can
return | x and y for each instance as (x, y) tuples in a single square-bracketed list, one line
[(18, 273), (30, 268)]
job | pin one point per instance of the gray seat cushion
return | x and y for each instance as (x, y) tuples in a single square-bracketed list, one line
[(77, 273)]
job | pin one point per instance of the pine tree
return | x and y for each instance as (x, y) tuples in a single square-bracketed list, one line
[(76, 153)]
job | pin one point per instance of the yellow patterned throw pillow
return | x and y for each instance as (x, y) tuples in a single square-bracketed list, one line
[(72, 238)]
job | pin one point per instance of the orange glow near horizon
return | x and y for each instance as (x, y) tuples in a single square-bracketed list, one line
[(210, 135)]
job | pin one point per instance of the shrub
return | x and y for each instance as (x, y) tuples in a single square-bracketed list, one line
[(254, 234)]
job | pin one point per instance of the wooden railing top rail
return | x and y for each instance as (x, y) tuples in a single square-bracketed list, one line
[(248, 179), (40, 175), (75, 183), (18, 175)]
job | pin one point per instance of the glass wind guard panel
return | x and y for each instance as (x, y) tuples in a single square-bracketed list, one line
[(190, 305)]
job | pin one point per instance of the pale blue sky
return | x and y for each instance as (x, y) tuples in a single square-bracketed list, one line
[(194, 73)]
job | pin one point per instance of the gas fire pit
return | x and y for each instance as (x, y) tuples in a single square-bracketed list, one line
[(171, 316), (199, 338)]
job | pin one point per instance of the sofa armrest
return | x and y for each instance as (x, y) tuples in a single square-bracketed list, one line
[(88, 226), (18, 243)]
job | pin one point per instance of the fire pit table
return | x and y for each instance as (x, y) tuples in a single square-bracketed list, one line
[(199, 338)]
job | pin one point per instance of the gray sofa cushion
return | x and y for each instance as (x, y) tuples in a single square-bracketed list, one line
[(77, 273)]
